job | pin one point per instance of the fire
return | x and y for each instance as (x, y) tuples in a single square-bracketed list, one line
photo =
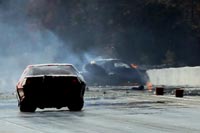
[(134, 66), (149, 86)]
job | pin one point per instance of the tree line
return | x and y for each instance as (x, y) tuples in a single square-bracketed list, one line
[(141, 31)]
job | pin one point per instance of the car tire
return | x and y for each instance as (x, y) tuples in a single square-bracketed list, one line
[(76, 105), (26, 106)]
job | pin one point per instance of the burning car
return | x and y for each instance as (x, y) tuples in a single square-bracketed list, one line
[(113, 72), (50, 85)]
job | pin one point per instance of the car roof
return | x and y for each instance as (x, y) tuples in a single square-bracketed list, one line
[(104, 60), (50, 64), (109, 59)]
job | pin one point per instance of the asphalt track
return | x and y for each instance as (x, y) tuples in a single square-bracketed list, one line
[(108, 111)]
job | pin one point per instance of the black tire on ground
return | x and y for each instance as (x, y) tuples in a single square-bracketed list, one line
[(26, 106), (76, 105)]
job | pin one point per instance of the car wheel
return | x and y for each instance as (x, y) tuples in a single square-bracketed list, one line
[(26, 106), (76, 105)]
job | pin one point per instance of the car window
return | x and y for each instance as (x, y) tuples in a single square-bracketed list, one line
[(49, 70), (121, 65)]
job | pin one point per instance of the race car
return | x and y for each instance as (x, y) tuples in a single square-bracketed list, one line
[(50, 86), (113, 72)]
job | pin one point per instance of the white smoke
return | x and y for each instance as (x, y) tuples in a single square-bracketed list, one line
[(24, 41), (21, 46)]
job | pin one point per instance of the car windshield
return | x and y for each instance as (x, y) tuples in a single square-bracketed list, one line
[(52, 70), (121, 65), (113, 64)]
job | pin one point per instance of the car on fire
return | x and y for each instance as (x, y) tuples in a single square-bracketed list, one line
[(114, 72), (50, 86)]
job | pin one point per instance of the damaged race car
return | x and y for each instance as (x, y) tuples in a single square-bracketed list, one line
[(50, 86), (114, 72)]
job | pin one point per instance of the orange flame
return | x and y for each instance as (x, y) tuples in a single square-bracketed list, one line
[(149, 86), (134, 66)]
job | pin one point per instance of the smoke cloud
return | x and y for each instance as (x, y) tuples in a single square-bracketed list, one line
[(62, 31), (25, 41)]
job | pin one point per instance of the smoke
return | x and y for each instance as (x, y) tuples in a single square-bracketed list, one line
[(62, 31), (25, 41), (137, 31)]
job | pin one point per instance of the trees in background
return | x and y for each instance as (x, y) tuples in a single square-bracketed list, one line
[(141, 31)]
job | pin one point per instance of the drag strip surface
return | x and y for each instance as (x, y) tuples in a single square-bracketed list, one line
[(120, 111)]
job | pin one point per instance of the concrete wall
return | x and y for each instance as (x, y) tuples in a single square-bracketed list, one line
[(184, 76)]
